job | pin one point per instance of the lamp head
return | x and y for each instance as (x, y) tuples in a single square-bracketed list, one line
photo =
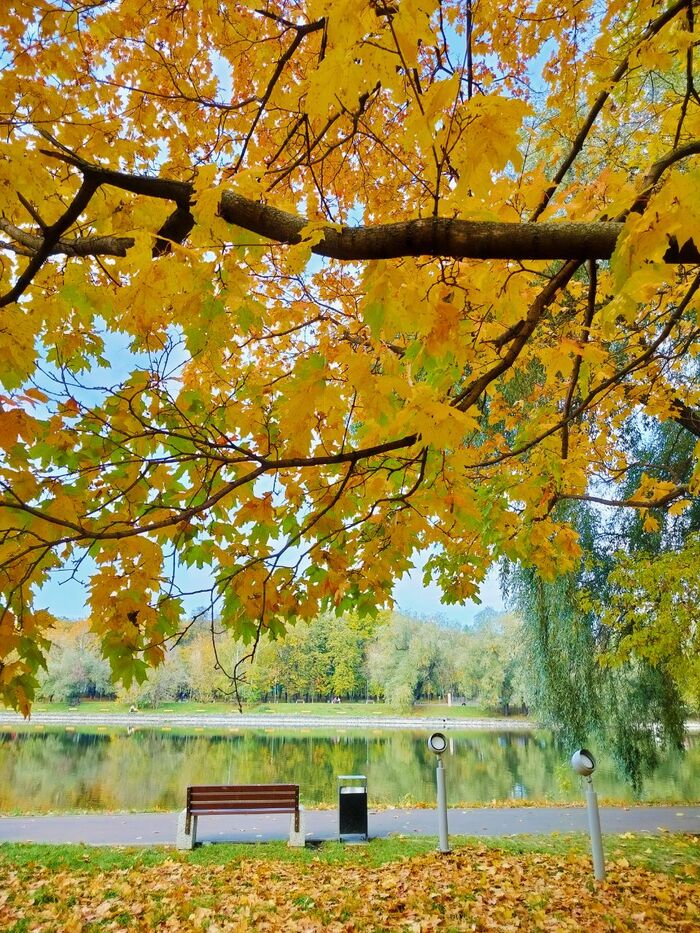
[(437, 743), (583, 762)]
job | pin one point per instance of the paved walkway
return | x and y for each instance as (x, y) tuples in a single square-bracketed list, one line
[(159, 828), (267, 721), (235, 721)]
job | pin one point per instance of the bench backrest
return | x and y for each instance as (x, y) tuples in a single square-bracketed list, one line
[(269, 798)]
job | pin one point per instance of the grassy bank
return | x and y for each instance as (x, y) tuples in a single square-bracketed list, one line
[(532, 883), (326, 710), (676, 855)]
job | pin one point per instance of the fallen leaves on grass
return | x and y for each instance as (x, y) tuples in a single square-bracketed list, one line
[(474, 888)]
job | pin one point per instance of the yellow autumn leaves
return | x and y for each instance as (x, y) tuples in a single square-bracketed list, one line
[(295, 428), (473, 889)]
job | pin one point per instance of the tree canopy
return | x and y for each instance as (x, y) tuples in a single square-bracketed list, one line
[(293, 290)]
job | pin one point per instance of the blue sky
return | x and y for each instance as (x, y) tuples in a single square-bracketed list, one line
[(413, 597), (67, 599)]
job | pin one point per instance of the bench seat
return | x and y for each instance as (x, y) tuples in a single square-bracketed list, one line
[(227, 799)]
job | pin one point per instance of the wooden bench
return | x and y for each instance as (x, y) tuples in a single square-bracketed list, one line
[(221, 799)]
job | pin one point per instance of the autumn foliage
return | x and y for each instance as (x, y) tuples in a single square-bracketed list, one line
[(473, 889), (293, 290)]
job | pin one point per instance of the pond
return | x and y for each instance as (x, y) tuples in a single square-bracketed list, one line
[(55, 769)]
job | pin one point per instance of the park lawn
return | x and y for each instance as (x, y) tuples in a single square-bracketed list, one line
[(523, 883), (326, 710), (377, 710)]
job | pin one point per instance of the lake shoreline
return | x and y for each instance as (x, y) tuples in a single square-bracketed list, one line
[(275, 721), (266, 721)]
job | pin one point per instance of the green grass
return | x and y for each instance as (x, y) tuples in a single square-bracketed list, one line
[(374, 710), (672, 854), (326, 710)]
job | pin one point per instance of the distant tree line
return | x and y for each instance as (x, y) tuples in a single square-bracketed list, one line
[(394, 658)]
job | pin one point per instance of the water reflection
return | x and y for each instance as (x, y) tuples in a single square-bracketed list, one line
[(56, 770)]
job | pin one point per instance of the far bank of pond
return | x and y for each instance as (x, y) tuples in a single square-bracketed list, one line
[(325, 713), (53, 769)]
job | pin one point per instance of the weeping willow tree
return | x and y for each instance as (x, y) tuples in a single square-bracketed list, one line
[(608, 646), (633, 711)]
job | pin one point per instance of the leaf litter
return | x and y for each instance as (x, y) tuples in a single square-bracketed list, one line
[(474, 888)]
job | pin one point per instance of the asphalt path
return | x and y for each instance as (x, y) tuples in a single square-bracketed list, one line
[(144, 829), (78, 718)]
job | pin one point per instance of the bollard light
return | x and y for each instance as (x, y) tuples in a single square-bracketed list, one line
[(583, 763), (437, 743)]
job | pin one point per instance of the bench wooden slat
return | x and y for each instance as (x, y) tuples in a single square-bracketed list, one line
[(278, 798), (216, 811), (243, 796), (245, 804), (232, 788)]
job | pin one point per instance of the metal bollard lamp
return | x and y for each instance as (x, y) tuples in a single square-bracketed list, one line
[(437, 743), (583, 763)]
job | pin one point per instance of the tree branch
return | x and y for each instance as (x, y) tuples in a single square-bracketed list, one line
[(265, 465), (470, 395), (434, 236), (81, 246), (301, 32), (617, 377), (686, 417), (578, 359), (51, 237), (655, 172), (677, 493), (652, 29), (439, 236)]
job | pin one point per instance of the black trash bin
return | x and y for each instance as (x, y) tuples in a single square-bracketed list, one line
[(352, 806)]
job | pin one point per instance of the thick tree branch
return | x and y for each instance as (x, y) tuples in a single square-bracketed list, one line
[(81, 246), (174, 230), (430, 236), (440, 236), (686, 417), (433, 236)]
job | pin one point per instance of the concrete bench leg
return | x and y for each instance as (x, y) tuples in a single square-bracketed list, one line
[(185, 840), (298, 839)]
